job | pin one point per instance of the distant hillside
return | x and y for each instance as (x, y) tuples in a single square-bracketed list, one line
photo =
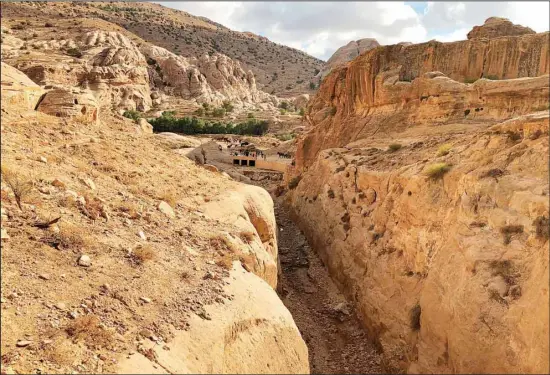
[(278, 69)]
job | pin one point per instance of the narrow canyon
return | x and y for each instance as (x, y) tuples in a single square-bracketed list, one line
[(178, 197)]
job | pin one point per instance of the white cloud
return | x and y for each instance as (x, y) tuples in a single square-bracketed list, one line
[(319, 28)]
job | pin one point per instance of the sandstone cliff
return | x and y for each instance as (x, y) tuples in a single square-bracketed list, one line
[(347, 53), (399, 86), (495, 27), (423, 183), (448, 271)]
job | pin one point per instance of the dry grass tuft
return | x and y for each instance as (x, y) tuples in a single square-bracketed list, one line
[(20, 185), (88, 329), (143, 254), (169, 197), (247, 237), (70, 237), (505, 269), (437, 170), (59, 352), (444, 150)]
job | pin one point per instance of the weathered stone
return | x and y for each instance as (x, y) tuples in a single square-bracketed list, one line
[(166, 209), (84, 261)]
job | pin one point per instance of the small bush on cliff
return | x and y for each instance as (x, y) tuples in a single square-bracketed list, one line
[(218, 112), (302, 112), (444, 150), (74, 52), (294, 182), (20, 185), (437, 170), (509, 230), (470, 80), (542, 227), (394, 147), (133, 115), (414, 317)]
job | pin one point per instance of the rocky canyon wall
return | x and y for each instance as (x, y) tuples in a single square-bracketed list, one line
[(453, 272), (399, 86), (422, 182)]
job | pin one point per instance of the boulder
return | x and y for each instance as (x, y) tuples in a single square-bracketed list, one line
[(166, 209), (76, 103), (144, 126), (19, 92)]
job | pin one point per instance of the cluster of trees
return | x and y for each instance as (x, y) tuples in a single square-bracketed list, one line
[(206, 110), (193, 125)]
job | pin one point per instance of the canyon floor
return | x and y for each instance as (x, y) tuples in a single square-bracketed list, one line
[(336, 341)]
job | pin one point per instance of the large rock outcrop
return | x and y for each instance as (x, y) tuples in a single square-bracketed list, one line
[(347, 53), (70, 103), (208, 79), (446, 271), (399, 86), (495, 27), (19, 93)]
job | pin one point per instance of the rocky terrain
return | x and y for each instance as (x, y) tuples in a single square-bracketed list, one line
[(422, 181), (119, 254), (121, 70), (278, 69)]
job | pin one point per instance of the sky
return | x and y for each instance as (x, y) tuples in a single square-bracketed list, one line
[(320, 28)]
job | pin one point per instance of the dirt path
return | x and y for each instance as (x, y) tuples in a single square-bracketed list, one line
[(336, 341)]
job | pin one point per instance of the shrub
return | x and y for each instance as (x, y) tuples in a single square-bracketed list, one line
[(330, 194), (284, 105), (542, 227), (87, 328), (228, 106), (247, 236), (333, 111), (294, 182), (437, 170), (133, 115), (282, 111), (218, 112), (470, 80), (20, 185), (200, 112), (74, 52), (414, 317), (143, 254), (444, 149), (312, 86), (302, 112), (71, 237), (250, 115), (492, 77), (509, 230), (394, 147)]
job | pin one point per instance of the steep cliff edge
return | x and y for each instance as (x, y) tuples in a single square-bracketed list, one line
[(400, 86), (426, 195)]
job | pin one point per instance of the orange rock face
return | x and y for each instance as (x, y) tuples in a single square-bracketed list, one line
[(424, 189), (398, 86), (495, 27)]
